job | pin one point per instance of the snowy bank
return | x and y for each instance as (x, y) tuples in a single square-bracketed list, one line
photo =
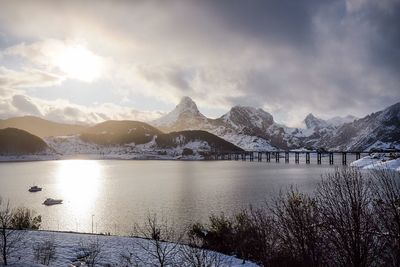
[(69, 249), (377, 162)]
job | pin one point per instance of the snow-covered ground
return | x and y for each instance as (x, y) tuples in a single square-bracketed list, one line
[(377, 161), (69, 250), (67, 147), (247, 142)]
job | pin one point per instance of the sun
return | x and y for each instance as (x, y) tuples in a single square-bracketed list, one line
[(77, 62)]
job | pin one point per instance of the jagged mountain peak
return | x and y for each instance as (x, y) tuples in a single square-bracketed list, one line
[(250, 111), (312, 122), (185, 114), (248, 117), (393, 110), (187, 104), (310, 117)]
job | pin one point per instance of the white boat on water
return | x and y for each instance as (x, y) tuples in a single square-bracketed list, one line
[(51, 201), (35, 188)]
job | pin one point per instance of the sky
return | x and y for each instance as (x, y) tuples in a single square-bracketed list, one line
[(90, 61)]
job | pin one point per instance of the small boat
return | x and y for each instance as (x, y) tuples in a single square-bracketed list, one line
[(35, 188), (50, 201)]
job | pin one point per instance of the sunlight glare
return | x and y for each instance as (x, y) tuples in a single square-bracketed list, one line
[(78, 182), (77, 62)]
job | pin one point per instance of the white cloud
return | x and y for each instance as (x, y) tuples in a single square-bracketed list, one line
[(25, 105), (67, 58), (27, 78), (64, 111)]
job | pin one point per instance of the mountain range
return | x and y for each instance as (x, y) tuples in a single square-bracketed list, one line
[(255, 129), (186, 130)]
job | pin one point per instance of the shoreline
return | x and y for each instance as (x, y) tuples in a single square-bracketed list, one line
[(34, 158)]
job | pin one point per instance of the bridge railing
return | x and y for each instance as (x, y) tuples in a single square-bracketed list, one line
[(285, 155)]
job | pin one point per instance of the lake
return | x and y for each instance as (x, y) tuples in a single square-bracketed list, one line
[(119, 193)]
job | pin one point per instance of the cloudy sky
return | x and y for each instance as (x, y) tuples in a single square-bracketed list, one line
[(88, 61)]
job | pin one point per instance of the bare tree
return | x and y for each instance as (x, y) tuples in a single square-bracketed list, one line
[(386, 189), (11, 240), (45, 251), (161, 246), (297, 226), (191, 255), (91, 251), (265, 237), (346, 206)]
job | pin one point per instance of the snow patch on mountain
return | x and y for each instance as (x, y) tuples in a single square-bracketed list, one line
[(186, 108), (239, 117), (337, 121), (313, 122), (249, 143)]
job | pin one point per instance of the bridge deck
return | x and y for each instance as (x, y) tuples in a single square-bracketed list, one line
[(277, 155)]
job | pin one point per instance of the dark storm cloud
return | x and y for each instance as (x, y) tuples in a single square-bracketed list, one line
[(384, 21), (279, 21), (293, 57)]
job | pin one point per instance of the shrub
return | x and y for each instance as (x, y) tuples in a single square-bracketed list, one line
[(91, 251), (24, 218), (187, 152), (44, 252)]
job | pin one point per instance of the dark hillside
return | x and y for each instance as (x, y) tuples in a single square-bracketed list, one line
[(119, 133), (18, 142), (41, 127), (181, 138)]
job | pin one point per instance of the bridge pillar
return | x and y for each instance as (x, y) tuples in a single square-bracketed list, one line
[(259, 156), (268, 155), (286, 157), (244, 156), (296, 157), (319, 157), (236, 156), (330, 158), (358, 155), (277, 156), (344, 158), (251, 156), (229, 156), (307, 157)]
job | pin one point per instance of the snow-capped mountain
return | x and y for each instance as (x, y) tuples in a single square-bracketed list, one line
[(377, 130), (337, 121), (315, 123), (245, 127), (255, 129), (185, 116), (248, 119)]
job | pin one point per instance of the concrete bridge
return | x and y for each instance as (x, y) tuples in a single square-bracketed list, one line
[(290, 155)]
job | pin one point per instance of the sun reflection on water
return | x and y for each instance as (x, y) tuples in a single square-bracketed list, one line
[(78, 182)]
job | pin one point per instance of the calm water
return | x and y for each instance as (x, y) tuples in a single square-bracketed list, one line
[(120, 193)]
